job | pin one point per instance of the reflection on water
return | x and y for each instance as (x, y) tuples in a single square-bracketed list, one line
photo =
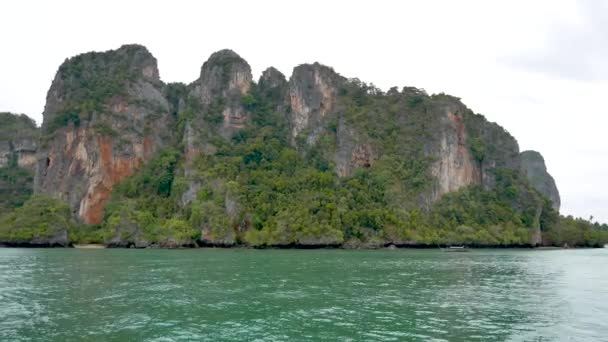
[(175, 295)]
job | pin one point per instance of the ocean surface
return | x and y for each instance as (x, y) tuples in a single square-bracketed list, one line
[(316, 295)]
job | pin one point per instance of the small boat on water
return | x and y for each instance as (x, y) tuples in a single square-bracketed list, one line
[(455, 249)]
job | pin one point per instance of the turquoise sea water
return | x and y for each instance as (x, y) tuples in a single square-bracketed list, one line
[(279, 295)]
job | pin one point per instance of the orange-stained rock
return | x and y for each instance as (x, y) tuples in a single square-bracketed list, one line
[(112, 170), (455, 167), (82, 161)]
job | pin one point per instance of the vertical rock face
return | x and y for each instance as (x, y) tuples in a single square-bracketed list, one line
[(352, 151), (494, 147), (224, 74), (533, 166), (214, 102), (455, 167), (224, 79), (214, 105), (468, 149), (272, 86), (312, 94), (105, 115)]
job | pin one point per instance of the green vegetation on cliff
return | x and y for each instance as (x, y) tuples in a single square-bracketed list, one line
[(90, 81), (145, 208), (17, 126), (507, 214), (18, 136), (15, 187), (257, 189), (40, 221)]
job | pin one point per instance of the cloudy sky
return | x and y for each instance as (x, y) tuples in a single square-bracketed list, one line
[(538, 68)]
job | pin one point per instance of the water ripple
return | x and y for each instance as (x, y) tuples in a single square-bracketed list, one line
[(278, 295)]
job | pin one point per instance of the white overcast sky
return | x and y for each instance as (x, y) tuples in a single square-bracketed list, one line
[(538, 68)]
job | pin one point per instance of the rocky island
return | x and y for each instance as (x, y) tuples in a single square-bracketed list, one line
[(316, 160)]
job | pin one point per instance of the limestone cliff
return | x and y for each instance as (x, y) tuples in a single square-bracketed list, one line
[(315, 160), (105, 116), (465, 148), (273, 79), (352, 151), (312, 96), (315, 110), (273, 85), (225, 77), (213, 107), (492, 147), (533, 166), (455, 166)]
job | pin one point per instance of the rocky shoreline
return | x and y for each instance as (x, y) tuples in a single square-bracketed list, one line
[(345, 246)]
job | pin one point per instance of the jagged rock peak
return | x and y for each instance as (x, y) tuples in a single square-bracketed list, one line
[(224, 55), (272, 78), (130, 61), (306, 69), (224, 74), (533, 166), (313, 90), (533, 155)]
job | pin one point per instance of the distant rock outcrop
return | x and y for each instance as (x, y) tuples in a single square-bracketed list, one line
[(533, 166)]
